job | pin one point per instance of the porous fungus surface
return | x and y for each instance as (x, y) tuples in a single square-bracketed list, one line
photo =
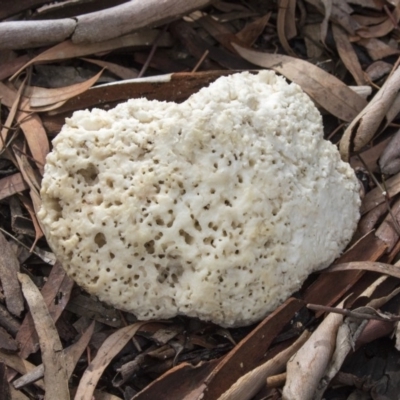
[(217, 208)]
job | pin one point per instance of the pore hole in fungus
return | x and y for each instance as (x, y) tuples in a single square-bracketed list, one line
[(188, 238), (89, 174), (100, 240), (149, 246), (56, 206)]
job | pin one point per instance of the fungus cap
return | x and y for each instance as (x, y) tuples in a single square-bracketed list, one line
[(217, 208)]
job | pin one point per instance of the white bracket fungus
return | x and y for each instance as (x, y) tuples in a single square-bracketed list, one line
[(216, 208)]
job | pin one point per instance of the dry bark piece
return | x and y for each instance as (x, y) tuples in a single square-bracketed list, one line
[(117, 21), (97, 26), (55, 374), (307, 367)]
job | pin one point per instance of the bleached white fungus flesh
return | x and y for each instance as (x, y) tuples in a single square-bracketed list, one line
[(217, 208)]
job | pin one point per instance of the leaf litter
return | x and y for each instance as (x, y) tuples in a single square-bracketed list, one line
[(62, 343)]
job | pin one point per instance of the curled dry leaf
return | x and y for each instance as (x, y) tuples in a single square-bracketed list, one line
[(325, 89), (306, 368), (108, 350), (9, 267), (363, 128), (55, 373)]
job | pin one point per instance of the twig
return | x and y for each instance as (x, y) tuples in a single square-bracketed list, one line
[(202, 58)]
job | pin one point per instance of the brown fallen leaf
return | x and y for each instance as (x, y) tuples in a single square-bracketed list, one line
[(58, 285), (9, 68), (365, 126), (39, 97), (325, 89), (108, 350), (55, 374), (281, 26), (347, 54), (251, 32), (9, 267), (11, 185), (118, 70)]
